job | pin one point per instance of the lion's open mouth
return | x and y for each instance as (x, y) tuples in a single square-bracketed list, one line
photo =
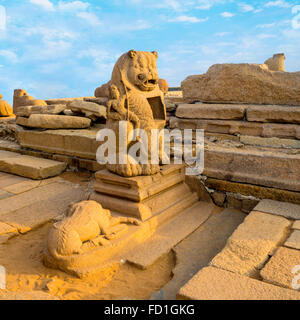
[(148, 85)]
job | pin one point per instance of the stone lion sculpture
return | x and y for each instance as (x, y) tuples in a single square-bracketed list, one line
[(85, 222), (21, 98), (5, 108), (135, 97), (276, 63)]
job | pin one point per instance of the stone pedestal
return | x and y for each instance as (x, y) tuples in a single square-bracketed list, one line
[(167, 211)]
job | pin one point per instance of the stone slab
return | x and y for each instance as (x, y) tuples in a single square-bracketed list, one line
[(235, 127), (30, 167), (270, 142), (216, 284), (47, 121), (65, 100), (198, 249), (279, 270), (211, 111), (259, 167), (288, 210), (26, 296), (294, 240), (253, 190), (78, 143), (36, 207), (271, 113), (250, 245), (138, 188), (90, 109), (26, 111), (6, 228), (169, 234), (296, 225)]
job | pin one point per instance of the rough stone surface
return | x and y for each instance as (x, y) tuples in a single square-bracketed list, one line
[(296, 225), (210, 111), (79, 143), (246, 83), (288, 210), (211, 238), (36, 207), (253, 190), (30, 167), (270, 142), (198, 186), (234, 127), (6, 228), (251, 244), (279, 270), (294, 240), (21, 98), (276, 63), (65, 100), (45, 121), (32, 295), (215, 284), (26, 111), (283, 114), (90, 109), (253, 166)]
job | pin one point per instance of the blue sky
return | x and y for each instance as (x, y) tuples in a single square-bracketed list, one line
[(56, 49)]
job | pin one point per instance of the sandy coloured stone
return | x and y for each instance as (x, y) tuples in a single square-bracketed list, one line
[(288, 210), (79, 143), (216, 284), (30, 167), (90, 109), (46, 121), (170, 234), (271, 113), (253, 166), (294, 240), (21, 98), (35, 207), (276, 63), (163, 85), (26, 111), (6, 228), (224, 83), (22, 186), (270, 142), (251, 244), (210, 111), (282, 269), (30, 295), (296, 225), (5, 108), (65, 100), (235, 127), (253, 190)]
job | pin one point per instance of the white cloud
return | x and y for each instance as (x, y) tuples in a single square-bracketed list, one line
[(266, 25), (227, 14), (278, 3), (221, 34), (266, 36), (45, 4), (9, 55), (89, 17), (2, 18), (245, 7), (73, 6), (188, 19)]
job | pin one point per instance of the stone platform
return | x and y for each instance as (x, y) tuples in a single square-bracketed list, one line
[(167, 209)]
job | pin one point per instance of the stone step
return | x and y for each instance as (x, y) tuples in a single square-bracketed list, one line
[(211, 111), (216, 284), (235, 127), (138, 188), (254, 166), (29, 167), (169, 234), (78, 143)]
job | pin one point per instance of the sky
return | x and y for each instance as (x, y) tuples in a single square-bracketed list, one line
[(57, 49)]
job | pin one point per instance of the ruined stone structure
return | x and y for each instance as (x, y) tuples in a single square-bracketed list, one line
[(276, 63), (21, 98)]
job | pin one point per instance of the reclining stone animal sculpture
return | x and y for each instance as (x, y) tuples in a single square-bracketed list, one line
[(85, 222), (134, 85)]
